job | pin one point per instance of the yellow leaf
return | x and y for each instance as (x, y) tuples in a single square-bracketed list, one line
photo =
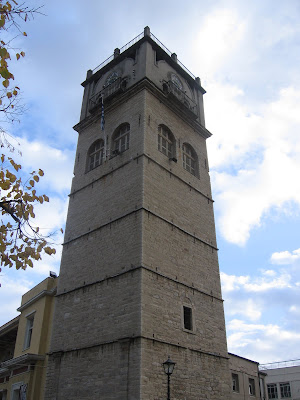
[(2, 158), (46, 198), (15, 92), (22, 54), (5, 83), (12, 178), (19, 265), (31, 182), (24, 33), (9, 95), (49, 250), (18, 56), (5, 185), (41, 172), (36, 178), (61, 229)]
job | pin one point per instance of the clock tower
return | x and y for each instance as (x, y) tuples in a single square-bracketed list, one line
[(139, 273)]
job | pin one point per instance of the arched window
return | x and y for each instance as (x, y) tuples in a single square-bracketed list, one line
[(120, 139), (166, 141), (190, 159), (95, 154)]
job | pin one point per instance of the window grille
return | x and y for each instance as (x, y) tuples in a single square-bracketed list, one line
[(121, 139), (189, 159), (166, 141), (95, 154)]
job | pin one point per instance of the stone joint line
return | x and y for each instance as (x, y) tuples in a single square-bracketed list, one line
[(208, 353), (150, 212), (136, 158), (147, 269)]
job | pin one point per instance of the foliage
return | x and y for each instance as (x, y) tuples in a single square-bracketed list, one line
[(20, 242), (9, 94)]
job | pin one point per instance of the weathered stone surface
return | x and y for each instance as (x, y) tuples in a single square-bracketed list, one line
[(139, 245)]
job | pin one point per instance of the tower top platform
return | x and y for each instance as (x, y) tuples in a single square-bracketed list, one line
[(130, 47)]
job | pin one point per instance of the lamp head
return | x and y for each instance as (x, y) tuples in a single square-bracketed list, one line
[(169, 366)]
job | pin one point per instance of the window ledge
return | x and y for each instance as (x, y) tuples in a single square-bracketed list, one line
[(189, 331)]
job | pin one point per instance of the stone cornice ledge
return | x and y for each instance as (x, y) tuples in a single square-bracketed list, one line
[(22, 360), (51, 292)]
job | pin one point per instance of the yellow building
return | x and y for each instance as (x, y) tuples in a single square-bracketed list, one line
[(24, 342)]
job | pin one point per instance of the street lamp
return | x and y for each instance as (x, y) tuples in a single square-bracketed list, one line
[(168, 368)]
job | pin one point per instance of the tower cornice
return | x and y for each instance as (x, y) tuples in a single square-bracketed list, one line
[(143, 84)]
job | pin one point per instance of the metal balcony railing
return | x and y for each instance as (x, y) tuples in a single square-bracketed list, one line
[(133, 41), (171, 89), (125, 47), (280, 364), (118, 85)]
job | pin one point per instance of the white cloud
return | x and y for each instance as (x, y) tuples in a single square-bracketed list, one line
[(51, 216), (57, 164), (221, 33), (251, 157), (285, 257), (232, 283), (295, 309), (269, 272), (262, 342), (12, 291), (247, 308)]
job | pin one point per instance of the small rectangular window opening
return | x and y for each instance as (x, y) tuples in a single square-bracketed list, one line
[(28, 333), (272, 391), (235, 383), (187, 318), (3, 395), (285, 390), (251, 387)]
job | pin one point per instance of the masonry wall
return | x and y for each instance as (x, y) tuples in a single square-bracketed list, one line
[(103, 231), (245, 369), (196, 375), (139, 244), (162, 314), (98, 313), (87, 373)]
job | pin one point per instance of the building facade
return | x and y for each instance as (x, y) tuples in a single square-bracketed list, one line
[(25, 343), (247, 381), (139, 274), (283, 380)]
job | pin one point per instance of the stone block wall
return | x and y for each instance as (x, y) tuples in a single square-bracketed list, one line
[(108, 371), (196, 375)]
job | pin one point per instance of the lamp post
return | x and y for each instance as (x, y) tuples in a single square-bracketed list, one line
[(168, 368)]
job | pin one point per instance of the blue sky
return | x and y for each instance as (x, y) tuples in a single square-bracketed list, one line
[(247, 55)]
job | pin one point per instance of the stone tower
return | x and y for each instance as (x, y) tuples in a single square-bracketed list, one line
[(139, 274)]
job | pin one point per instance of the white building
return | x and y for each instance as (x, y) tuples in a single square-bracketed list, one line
[(283, 379)]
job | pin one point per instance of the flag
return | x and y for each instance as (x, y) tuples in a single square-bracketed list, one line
[(102, 115), (102, 123)]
